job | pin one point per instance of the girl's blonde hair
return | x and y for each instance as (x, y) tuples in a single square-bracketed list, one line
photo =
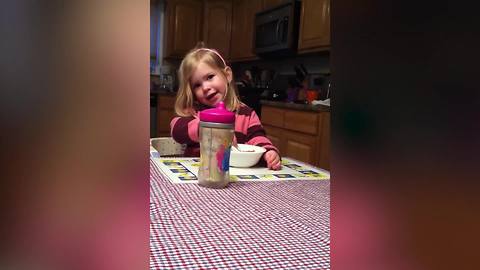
[(184, 105)]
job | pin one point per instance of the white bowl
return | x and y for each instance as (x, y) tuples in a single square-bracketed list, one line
[(246, 155)]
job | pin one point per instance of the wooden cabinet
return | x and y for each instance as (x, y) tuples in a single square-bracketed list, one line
[(165, 114), (226, 25), (217, 25), (314, 32), (243, 28), (273, 116), (323, 152), (302, 121), (273, 3), (302, 135), (275, 136), (182, 26), (243, 18), (300, 146)]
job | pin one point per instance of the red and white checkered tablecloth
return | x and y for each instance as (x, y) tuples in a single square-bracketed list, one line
[(249, 225)]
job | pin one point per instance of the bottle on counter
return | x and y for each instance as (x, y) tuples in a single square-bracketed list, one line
[(292, 94), (216, 135), (312, 94)]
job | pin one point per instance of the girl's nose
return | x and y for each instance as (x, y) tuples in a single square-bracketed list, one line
[(205, 86)]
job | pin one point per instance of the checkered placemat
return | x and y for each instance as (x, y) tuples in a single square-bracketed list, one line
[(249, 225)]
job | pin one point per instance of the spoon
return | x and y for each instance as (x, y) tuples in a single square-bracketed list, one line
[(235, 147)]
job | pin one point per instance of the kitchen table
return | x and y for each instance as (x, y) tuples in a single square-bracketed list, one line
[(248, 225)]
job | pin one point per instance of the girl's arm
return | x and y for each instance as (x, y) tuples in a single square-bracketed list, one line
[(249, 130), (185, 129)]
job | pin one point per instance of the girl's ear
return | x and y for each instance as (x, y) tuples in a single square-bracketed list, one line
[(228, 74)]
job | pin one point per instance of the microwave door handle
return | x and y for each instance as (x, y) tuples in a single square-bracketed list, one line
[(281, 24), (277, 33), (284, 25)]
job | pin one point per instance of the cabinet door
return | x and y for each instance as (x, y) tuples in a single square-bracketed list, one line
[(275, 136), (183, 26), (324, 146), (301, 121), (314, 26), (300, 146), (241, 44), (272, 116), (164, 118), (166, 102), (165, 114), (217, 25)]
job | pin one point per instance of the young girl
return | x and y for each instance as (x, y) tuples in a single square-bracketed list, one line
[(205, 80)]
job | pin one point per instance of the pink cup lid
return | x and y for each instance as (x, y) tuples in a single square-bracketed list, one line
[(217, 115)]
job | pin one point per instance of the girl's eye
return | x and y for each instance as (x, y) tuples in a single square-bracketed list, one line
[(196, 85), (210, 76)]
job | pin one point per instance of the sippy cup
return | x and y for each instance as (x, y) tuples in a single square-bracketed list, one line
[(216, 135)]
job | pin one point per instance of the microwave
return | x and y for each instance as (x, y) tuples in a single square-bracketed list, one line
[(276, 29)]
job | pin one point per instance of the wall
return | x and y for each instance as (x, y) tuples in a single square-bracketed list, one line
[(156, 35), (316, 64)]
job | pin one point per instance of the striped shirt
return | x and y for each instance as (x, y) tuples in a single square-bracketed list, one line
[(248, 130)]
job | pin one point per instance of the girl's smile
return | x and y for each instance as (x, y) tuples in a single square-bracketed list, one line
[(212, 95)]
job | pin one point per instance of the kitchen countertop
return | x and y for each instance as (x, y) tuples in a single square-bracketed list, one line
[(296, 106)]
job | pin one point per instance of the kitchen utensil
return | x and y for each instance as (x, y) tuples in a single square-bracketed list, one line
[(236, 148), (248, 73), (255, 75), (264, 75), (328, 91), (299, 74), (304, 70), (216, 135)]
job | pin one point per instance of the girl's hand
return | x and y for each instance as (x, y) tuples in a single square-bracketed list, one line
[(273, 160)]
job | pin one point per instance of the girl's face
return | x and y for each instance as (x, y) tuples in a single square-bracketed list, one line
[(208, 84)]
